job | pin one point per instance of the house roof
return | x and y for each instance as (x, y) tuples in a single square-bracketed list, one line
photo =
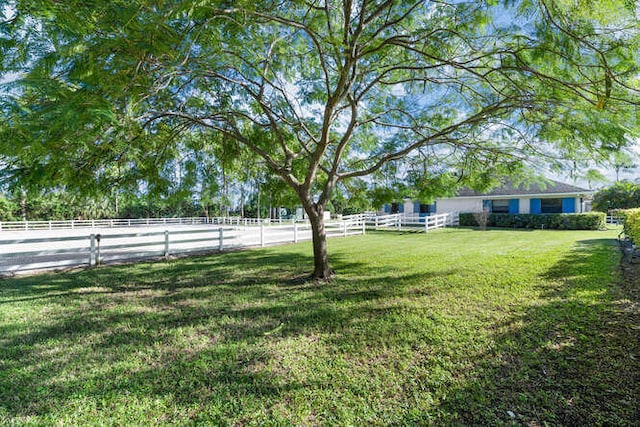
[(509, 189)]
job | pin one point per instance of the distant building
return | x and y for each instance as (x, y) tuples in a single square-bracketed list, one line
[(551, 197)]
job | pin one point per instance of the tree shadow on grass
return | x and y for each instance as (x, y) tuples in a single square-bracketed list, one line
[(217, 338), (196, 332), (573, 360), (172, 274)]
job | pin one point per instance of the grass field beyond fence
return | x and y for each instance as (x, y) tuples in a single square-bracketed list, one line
[(454, 327)]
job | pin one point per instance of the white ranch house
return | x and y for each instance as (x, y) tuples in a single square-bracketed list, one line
[(551, 197)]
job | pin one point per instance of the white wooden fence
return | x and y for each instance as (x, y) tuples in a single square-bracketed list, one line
[(137, 222), (65, 244), (408, 221), (21, 254), (372, 220), (614, 219)]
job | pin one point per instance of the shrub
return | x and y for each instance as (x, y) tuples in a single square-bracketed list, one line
[(632, 224), (467, 220), (587, 221), (350, 210), (584, 221)]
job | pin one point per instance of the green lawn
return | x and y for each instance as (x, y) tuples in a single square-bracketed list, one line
[(453, 327)]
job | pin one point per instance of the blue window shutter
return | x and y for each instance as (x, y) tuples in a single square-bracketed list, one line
[(401, 207), (486, 205), (416, 207), (569, 205), (433, 208), (387, 208), (514, 206), (536, 206)]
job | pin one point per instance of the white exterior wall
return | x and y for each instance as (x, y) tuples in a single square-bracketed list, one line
[(471, 204), (408, 207), (458, 205)]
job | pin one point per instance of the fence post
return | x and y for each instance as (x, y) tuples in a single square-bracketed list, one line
[(220, 239), (262, 235), (98, 258), (166, 243), (295, 233), (49, 225), (344, 231), (364, 226), (92, 250), (0, 225)]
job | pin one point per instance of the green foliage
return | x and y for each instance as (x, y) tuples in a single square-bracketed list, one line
[(58, 205), (351, 197), (621, 195), (123, 86), (583, 221), (457, 93), (632, 224), (8, 209)]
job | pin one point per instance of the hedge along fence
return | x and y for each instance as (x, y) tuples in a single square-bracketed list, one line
[(631, 224), (583, 221)]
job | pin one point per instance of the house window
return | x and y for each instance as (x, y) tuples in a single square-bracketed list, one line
[(425, 209), (395, 208), (500, 206), (551, 206)]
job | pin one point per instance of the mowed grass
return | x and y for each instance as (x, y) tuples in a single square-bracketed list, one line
[(453, 327)]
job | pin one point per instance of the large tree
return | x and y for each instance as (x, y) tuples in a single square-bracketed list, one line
[(320, 90), (621, 195)]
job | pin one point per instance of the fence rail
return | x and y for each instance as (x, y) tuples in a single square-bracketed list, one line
[(372, 220), (614, 219), (137, 222), (23, 254), (97, 223), (82, 243), (408, 221)]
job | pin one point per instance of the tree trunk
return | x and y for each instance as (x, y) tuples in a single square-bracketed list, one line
[(242, 202), (258, 211), (320, 256), (23, 204)]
